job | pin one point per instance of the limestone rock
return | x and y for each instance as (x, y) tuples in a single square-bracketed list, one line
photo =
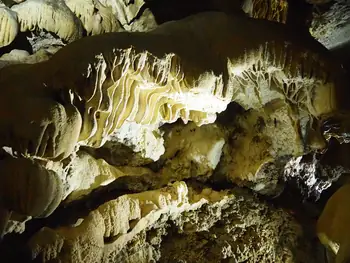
[(332, 226), (16, 224), (50, 16), (138, 233), (28, 189), (191, 151), (311, 175), (273, 10), (48, 130), (95, 17), (118, 154), (43, 40), (171, 80), (125, 11), (82, 243), (330, 26), (85, 174), (253, 142), (134, 89), (143, 23), (9, 25), (243, 230), (21, 56), (144, 139), (135, 214)]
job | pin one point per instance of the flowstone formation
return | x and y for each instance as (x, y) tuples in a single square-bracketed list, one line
[(266, 9), (178, 224), (330, 25), (133, 146)]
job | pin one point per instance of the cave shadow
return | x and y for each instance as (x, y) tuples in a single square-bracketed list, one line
[(169, 10)]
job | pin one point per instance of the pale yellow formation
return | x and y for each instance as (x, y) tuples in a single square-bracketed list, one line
[(143, 210), (86, 174), (110, 227), (259, 137), (191, 151), (265, 75), (144, 89), (49, 130), (153, 78), (147, 140), (17, 56), (95, 17), (8, 26), (81, 244), (29, 189), (16, 223), (171, 81), (121, 81), (124, 11), (273, 10), (265, 136), (50, 15), (333, 226)]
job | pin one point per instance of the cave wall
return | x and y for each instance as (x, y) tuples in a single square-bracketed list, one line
[(174, 131)]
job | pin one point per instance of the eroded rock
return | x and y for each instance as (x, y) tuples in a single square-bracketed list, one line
[(9, 23), (96, 18), (330, 25), (332, 227), (127, 93), (273, 10), (139, 232), (50, 16)]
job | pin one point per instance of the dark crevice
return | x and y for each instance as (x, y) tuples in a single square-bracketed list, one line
[(299, 15), (169, 10), (20, 42)]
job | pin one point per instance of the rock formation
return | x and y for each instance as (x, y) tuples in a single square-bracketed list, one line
[(127, 139)]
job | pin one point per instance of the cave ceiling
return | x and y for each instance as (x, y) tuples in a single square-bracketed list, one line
[(174, 131)]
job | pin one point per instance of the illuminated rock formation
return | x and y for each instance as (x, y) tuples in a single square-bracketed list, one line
[(117, 141)]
